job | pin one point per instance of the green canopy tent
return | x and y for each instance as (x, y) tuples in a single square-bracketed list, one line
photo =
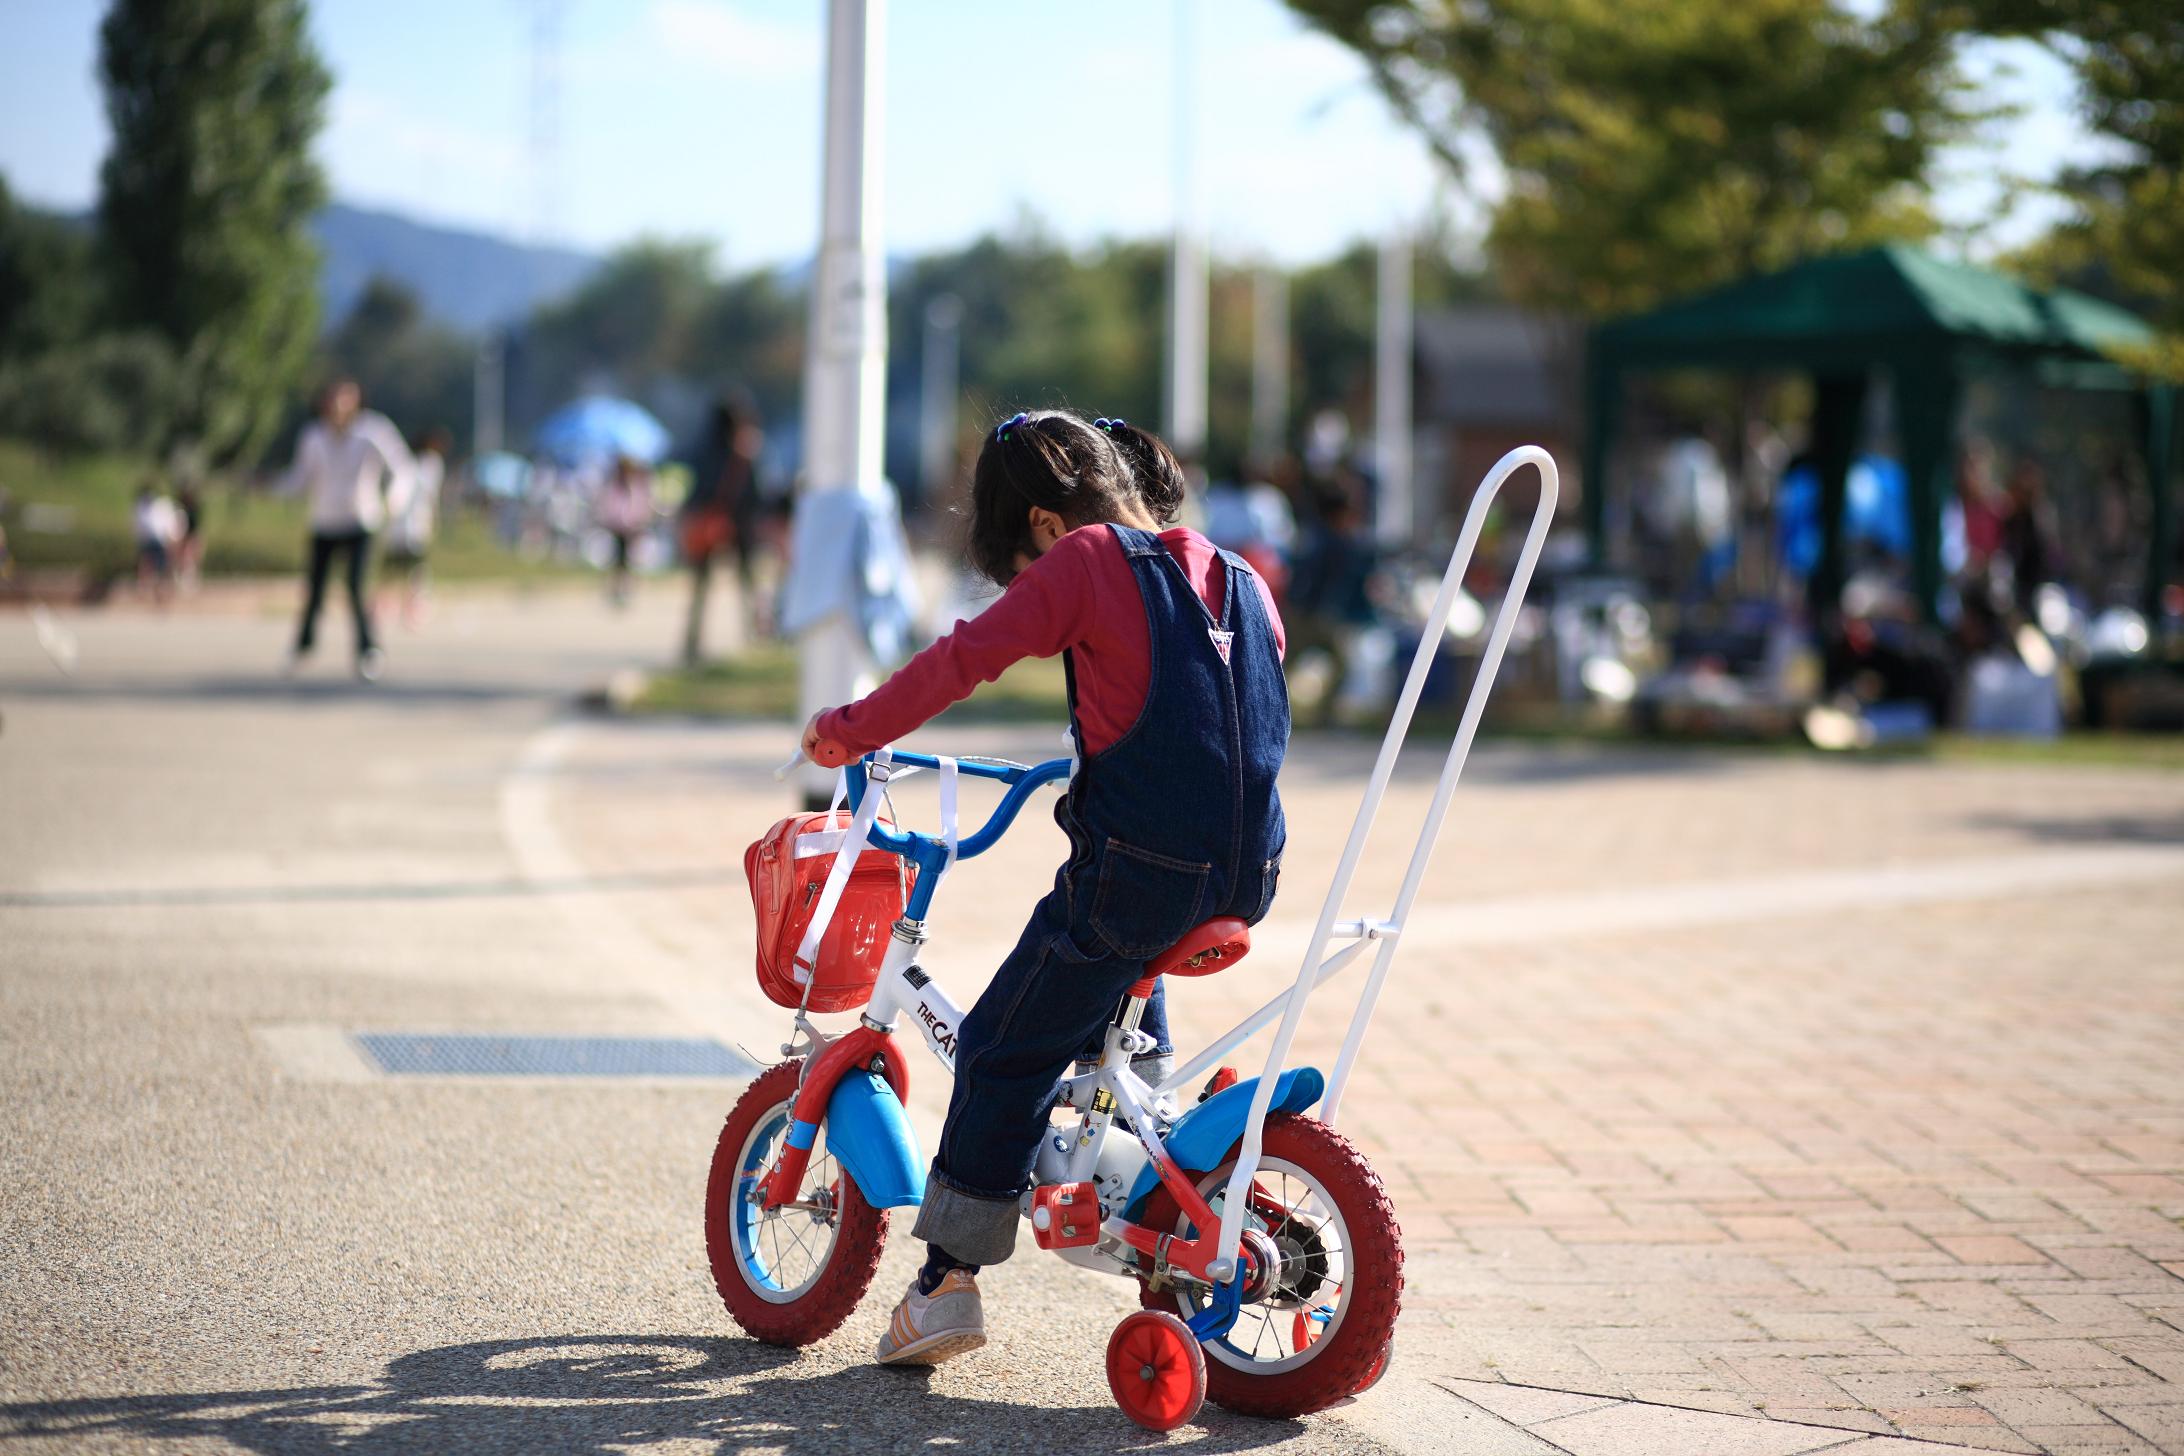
[(1930, 323)]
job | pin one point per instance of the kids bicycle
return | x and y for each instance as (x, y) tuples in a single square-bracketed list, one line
[(1266, 1250)]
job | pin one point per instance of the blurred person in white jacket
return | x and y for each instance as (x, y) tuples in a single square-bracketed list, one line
[(410, 529), (351, 467)]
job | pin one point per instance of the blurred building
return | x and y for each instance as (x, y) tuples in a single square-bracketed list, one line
[(1490, 378)]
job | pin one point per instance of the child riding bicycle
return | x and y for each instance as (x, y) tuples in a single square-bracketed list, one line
[(1172, 652)]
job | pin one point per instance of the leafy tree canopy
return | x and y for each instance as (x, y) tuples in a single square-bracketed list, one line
[(49, 291), (1657, 147), (2128, 232), (205, 199)]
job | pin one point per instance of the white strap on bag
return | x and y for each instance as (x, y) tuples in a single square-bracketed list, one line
[(948, 777), (845, 859), (826, 841)]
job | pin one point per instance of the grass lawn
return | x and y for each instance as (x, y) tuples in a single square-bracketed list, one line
[(761, 683), (73, 513), (2072, 750)]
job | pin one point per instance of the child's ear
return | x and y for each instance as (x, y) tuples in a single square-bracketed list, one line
[(1047, 527)]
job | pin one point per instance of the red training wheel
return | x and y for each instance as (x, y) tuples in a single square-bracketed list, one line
[(1156, 1370)]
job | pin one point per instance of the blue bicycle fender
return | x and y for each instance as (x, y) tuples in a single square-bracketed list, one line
[(870, 1134), (1202, 1136)]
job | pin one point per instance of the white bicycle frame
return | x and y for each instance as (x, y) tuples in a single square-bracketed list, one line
[(1318, 965), (903, 987)]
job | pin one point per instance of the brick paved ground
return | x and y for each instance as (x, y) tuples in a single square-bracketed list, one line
[(1833, 1094)]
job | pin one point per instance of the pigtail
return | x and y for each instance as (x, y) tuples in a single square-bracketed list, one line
[(1158, 475)]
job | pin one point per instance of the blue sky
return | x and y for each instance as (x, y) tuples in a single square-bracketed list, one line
[(699, 118)]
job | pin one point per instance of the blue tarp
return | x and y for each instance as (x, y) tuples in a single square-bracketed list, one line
[(1876, 510)]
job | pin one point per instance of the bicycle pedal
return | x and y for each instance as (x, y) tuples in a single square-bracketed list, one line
[(1065, 1215), (1222, 1081)]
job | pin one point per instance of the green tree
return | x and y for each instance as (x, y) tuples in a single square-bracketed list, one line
[(49, 294), (1656, 147), (1334, 312), (2128, 230), (205, 199), (412, 370), (632, 324)]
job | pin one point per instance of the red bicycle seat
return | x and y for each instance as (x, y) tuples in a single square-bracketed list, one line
[(1214, 946)]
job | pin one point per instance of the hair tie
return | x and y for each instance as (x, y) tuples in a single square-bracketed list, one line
[(1110, 425), (1001, 431)]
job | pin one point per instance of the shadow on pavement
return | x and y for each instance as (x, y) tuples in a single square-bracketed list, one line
[(326, 691), (1349, 758), (2160, 828), (495, 889), (600, 1393)]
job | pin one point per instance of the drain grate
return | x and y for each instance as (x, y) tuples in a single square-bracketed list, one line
[(428, 1054)]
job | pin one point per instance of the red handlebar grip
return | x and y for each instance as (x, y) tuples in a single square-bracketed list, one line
[(829, 754)]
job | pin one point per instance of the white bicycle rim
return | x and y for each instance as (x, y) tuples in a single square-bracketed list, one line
[(773, 1243), (1267, 1324)]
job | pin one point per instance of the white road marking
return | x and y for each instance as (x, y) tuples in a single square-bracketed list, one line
[(711, 1000), (314, 1052)]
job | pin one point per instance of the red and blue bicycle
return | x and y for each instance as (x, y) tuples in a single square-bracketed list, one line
[(1265, 1248)]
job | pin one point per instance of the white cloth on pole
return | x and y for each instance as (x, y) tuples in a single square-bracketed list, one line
[(848, 558)]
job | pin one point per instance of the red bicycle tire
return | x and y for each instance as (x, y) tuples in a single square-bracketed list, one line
[(1344, 1363), (851, 1262)]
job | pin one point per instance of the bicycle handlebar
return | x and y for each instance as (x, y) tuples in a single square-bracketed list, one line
[(1023, 780)]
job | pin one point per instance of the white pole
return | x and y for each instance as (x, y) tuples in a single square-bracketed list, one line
[(1394, 521), (1389, 932), (845, 370), (1269, 361), (488, 395), (940, 385), (1187, 283)]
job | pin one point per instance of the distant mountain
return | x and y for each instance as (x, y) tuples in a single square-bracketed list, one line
[(469, 280)]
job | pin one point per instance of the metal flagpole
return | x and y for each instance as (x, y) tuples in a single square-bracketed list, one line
[(845, 369), (1269, 361), (1187, 285), (1393, 519), (940, 383)]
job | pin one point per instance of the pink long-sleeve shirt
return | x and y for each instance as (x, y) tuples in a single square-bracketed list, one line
[(1081, 596)]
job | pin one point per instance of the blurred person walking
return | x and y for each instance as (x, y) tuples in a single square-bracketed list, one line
[(1329, 596), (349, 463), (189, 551), (158, 529), (624, 512), (722, 512), (410, 525), (2029, 535)]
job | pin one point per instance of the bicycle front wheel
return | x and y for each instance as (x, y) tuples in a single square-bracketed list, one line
[(789, 1275), (1319, 1330)]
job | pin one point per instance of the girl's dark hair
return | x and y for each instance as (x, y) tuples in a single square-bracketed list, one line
[(1052, 459), (1160, 478)]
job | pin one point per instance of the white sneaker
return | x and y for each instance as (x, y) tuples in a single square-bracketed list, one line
[(368, 665)]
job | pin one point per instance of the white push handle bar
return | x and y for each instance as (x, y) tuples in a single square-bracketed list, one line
[(1505, 620)]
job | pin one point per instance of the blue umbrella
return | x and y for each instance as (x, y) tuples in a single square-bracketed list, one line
[(598, 429)]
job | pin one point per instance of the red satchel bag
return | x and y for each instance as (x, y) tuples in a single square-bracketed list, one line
[(788, 869)]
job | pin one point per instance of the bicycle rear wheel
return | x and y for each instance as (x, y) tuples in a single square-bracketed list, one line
[(1320, 1331)]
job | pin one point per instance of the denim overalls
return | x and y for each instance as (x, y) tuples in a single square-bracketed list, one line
[(1175, 823)]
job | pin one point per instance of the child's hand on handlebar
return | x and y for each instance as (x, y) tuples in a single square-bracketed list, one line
[(823, 751)]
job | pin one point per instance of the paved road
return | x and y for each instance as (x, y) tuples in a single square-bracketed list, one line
[(215, 1234), (1732, 1104)]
